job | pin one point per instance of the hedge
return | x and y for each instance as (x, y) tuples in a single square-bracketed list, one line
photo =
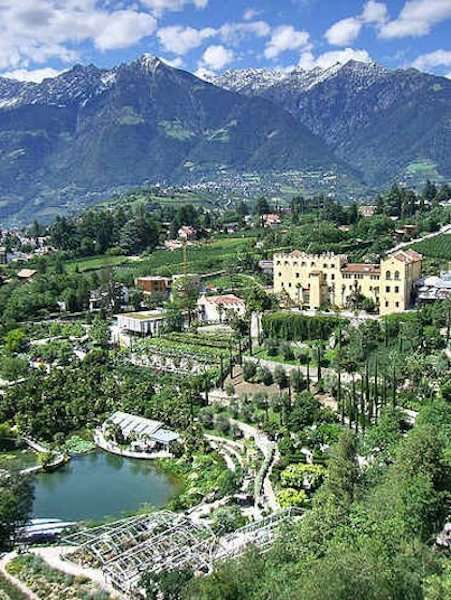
[(290, 326)]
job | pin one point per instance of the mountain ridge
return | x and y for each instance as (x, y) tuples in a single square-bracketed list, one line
[(377, 119), (92, 130)]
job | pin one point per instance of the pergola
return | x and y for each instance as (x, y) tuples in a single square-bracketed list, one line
[(165, 541)]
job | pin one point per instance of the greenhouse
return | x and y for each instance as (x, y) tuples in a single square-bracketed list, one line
[(145, 432), (166, 541)]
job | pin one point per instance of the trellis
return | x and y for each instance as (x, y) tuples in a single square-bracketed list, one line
[(260, 534), (166, 541)]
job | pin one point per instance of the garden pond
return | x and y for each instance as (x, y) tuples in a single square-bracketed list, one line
[(99, 485)]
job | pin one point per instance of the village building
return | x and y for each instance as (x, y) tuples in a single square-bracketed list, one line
[(187, 233), (266, 267), (3, 255), (366, 210), (318, 280), (26, 274), (142, 323), (430, 289), (220, 309), (154, 284), (271, 220), (109, 297)]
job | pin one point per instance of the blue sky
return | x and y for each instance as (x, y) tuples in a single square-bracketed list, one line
[(44, 37)]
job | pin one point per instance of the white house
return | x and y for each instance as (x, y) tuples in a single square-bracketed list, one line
[(147, 322), (220, 309)]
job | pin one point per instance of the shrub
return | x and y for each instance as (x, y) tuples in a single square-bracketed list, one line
[(222, 424), (249, 371), (264, 376), (289, 497), (272, 347), (297, 381), (290, 326), (287, 351)]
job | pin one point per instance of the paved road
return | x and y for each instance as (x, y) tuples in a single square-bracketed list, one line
[(428, 236)]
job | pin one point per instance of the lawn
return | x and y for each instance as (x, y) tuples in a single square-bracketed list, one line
[(93, 263)]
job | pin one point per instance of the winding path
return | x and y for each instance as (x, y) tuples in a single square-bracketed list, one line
[(268, 448)]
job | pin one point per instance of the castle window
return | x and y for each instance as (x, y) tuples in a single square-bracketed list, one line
[(397, 290), (387, 289), (388, 275), (324, 266), (289, 285), (297, 275), (397, 275), (280, 274), (332, 276), (386, 304), (303, 264), (397, 304), (312, 264)]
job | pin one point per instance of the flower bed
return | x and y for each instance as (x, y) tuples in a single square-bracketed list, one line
[(51, 584)]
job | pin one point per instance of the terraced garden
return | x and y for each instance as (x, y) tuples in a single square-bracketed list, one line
[(188, 352)]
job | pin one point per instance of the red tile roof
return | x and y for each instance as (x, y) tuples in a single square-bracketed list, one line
[(361, 268), (407, 256), (227, 299)]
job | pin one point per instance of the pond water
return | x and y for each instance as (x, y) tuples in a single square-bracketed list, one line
[(99, 485)]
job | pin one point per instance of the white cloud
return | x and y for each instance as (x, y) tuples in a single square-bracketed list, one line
[(180, 40), (439, 58), (285, 38), (417, 18), (216, 57), (344, 32), (177, 62), (250, 13), (160, 6), (123, 29), (232, 33), (35, 76), (32, 33), (308, 61), (374, 12)]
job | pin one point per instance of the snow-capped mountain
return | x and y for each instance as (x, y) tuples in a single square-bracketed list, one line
[(380, 121), (91, 131)]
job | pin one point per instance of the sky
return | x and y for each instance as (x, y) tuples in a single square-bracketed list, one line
[(42, 38)]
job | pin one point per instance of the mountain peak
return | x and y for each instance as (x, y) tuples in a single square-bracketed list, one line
[(149, 62)]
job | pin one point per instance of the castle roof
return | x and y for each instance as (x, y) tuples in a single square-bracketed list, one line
[(361, 268), (407, 256)]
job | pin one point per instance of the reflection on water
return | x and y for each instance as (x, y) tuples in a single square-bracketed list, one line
[(99, 485)]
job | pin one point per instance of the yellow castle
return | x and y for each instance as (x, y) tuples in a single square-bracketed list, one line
[(316, 280)]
